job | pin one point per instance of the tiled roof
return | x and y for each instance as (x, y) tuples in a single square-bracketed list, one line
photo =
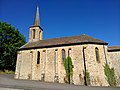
[(113, 48), (64, 41)]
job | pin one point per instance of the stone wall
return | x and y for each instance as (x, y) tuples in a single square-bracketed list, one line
[(114, 58), (27, 67), (96, 69), (23, 68), (37, 34)]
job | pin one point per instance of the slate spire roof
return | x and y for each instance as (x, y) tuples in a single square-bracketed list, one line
[(37, 18), (64, 41)]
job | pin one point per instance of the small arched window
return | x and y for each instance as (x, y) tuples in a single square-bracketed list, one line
[(40, 35), (63, 55), (56, 55), (97, 55), (69, 52), (56, 61), (38, 57), (33, 33)]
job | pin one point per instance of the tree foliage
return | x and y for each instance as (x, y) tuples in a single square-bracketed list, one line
[(68, 68), (10, 40), (110, 75)]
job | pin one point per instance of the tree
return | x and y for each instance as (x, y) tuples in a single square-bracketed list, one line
[(10, 40), (68, 68)]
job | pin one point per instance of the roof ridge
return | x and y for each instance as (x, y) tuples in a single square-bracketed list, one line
[(73, 37), (65, 37)]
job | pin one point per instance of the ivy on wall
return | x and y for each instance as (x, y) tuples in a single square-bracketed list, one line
[(69, 69), (110, 75), (87, 77)]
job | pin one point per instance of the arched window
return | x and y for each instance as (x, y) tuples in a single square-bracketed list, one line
[(43, 61), (69, 52), (33, 33), (40, 35), (63, 55), (38, 57), (97, 55), (56, 61)]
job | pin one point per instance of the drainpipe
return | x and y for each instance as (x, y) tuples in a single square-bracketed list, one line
[(31, 57), (68, 72), (20, 65), (105, 54), (85, 81), (109, 79)]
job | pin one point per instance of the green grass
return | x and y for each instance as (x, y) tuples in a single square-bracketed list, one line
[(7, 72)]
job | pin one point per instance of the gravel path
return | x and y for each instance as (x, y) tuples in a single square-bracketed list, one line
[(7, 82)]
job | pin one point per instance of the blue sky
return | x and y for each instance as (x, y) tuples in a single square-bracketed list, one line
[(58, 18)]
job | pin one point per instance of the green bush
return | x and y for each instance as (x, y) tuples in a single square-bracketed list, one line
[(7, 72)]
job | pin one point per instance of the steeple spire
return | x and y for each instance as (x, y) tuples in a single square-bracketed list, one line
[(36, 31), (37, 18)]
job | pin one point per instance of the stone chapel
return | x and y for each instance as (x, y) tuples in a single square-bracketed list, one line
[(43, 60)]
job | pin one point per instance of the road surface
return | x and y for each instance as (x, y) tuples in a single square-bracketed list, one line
[(7, 82)]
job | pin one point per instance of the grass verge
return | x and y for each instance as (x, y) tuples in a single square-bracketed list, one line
[(7, 72)]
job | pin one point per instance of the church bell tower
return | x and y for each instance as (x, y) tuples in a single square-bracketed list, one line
[(35, 33)]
